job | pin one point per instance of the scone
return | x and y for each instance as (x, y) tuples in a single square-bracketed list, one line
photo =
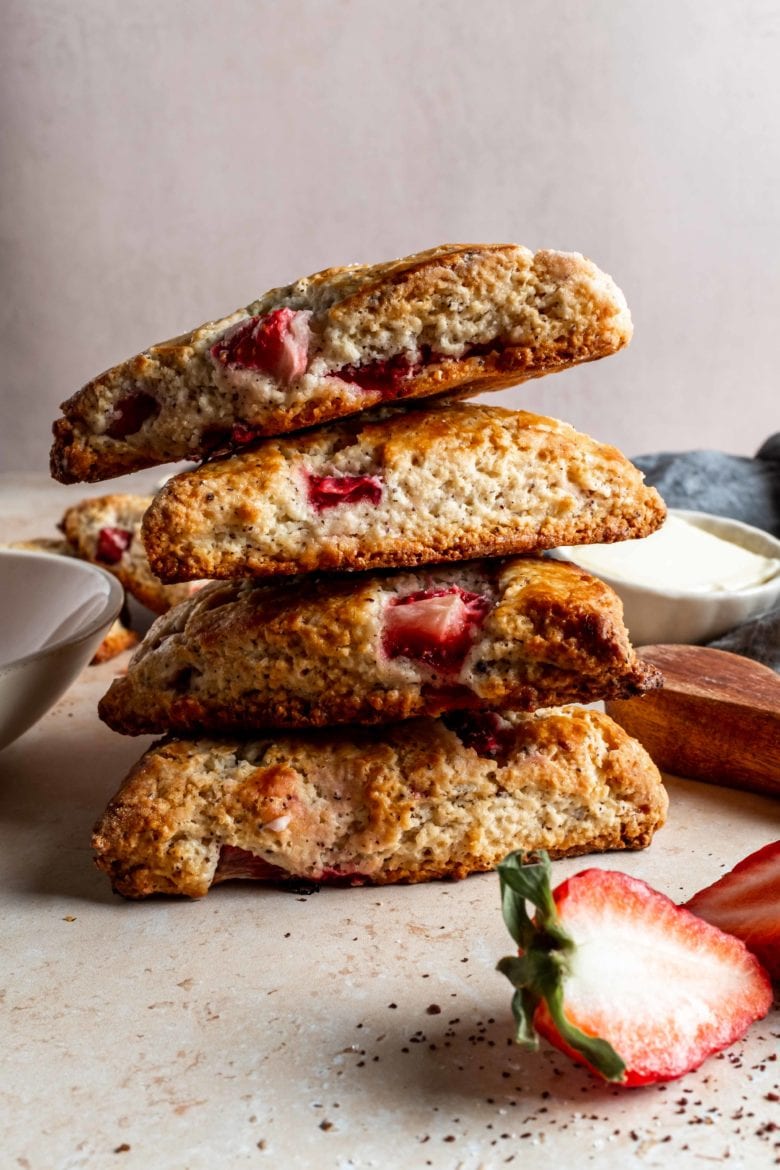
[(459, 318), (118, 639), (363, 648), (106, 530), (405, 803), (450, 482)]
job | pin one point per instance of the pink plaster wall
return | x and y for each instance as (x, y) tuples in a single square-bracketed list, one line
[(166, 160)]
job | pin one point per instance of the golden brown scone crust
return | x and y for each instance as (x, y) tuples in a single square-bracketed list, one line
[(82, 525), (406, 803), (311, 652), (459, 480), (443, 308), (118, 639)]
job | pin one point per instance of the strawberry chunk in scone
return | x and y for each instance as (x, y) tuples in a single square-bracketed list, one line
[(434, 626), (328, 491), (277, 344), (386, 376), (746, 902), (485, 732), (112, 543), (615, 975)]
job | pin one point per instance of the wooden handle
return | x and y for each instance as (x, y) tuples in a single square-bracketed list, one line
[(716, 719)]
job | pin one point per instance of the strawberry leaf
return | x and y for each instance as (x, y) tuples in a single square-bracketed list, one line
[(523, 1001), (539, 973), (598, 1053), (526, 878)]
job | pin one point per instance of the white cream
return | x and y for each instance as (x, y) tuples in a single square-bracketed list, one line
[(680, 557), (278, 824)]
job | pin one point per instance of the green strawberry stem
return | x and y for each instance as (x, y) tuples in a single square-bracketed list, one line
[(540, 971)]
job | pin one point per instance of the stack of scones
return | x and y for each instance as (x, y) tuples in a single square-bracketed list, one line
[(380, 680)]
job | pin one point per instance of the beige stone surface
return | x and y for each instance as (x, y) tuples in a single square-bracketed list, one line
[(261, 1028)]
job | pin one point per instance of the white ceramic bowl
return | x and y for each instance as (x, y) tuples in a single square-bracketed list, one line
[(656, 615), (54, 613)]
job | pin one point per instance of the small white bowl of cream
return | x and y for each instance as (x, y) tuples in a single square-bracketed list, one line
[(695, 578)]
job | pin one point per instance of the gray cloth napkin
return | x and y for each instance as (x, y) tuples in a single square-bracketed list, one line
[(728, 485)]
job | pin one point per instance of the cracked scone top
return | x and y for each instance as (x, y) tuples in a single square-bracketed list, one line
[(318, 651), (446, 482), (405, 803), (460, 318)]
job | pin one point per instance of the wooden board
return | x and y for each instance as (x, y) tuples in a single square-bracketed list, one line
[(717, 717)]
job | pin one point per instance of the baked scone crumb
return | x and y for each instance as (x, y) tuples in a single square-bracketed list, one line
[(318, 651), (406, 803), (458, 480), (459, 318)]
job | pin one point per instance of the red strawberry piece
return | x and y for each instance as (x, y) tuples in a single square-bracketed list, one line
[(387, 376), (327, 491), (130, 413), (485, 732), (276, 344), (746, 903), (392, 376), (434, 626), (240, 863), (241, 434), (112, 543), (220, 441), (618, 977)]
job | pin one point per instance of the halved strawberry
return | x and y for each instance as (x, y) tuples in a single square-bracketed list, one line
[(276, 344), (746, 903), (434, 626), (112, 543), (327, 491), (618, 977)]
